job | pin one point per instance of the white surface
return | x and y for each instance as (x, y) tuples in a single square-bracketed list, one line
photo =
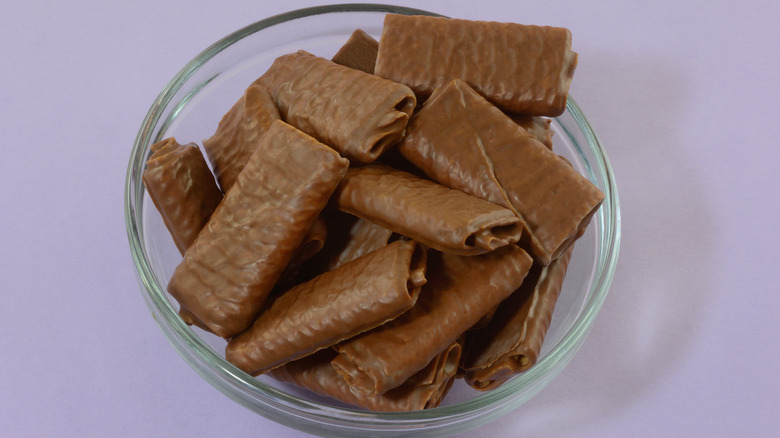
[(683, 95)]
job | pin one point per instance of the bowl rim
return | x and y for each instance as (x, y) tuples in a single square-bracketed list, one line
[(194, 350)]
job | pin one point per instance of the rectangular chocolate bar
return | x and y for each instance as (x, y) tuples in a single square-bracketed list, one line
[(228, 272), (520, 68)]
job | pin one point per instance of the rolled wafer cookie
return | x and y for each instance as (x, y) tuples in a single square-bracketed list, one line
[(442, 218), (227, 273), (331, 307), (356, 113), (459, 291), (182, 188), (359, 52), (510, 344), (520, 68), (424, 390), (446, 140), (312, 242), (463, 141), (238, 133)]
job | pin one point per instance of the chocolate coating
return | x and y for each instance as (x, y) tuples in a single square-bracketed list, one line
[(511, 342), (555, 202), (356, 113), (333, 306), (441, 218), (446, 138), (228, 272), (520, 68), (312, 244), (538, 127), (349, 238), (359, 52), (364, 237), (459, 291), (313, 241), (552, 199), (182, 188), (238, 133), (424, 390)]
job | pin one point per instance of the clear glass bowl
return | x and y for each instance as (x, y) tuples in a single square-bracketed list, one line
[(189, 109)]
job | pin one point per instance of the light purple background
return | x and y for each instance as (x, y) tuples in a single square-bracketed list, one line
[(683, 94)]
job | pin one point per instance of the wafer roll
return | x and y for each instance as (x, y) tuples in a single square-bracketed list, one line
[(359, 52), (555, 202), (522, 69), (459, 291), (441, 218), (482, 147), (333, 306), (439, 374), (511, 343), (238, 134), (424, 390), (233, 265), (356, 113), (445, 139), (182, 188)]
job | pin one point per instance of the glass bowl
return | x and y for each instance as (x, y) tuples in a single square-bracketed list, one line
[(189, 109)]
